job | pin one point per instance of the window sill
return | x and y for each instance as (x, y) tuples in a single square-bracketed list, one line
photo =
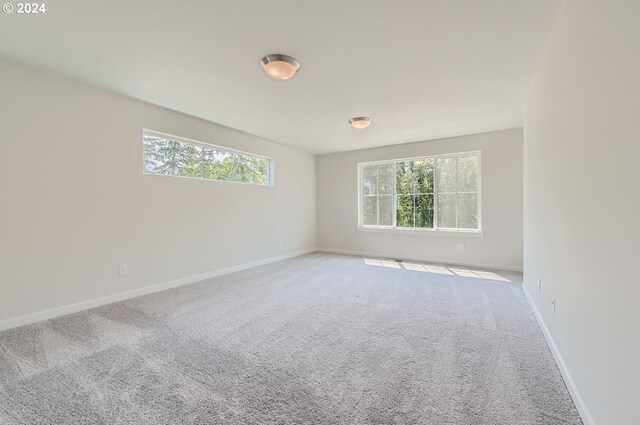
[(431, 232)]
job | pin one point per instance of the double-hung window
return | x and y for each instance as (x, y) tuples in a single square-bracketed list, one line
[(431, 192)]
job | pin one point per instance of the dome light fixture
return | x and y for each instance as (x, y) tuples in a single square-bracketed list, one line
[(279, 67), (360, 122)]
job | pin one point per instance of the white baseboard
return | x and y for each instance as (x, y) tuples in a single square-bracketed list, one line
[(97, 302), (424, 260), (573, 390)]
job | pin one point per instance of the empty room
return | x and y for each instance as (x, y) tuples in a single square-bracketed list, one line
[(320, 212)]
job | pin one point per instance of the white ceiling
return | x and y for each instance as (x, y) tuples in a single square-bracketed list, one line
[(423, 69)]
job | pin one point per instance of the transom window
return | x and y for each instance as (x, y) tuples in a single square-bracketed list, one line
[(432, 192), (174, 156)]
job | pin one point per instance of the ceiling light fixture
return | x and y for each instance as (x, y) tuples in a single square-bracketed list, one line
[(279, 67), (360, 122)]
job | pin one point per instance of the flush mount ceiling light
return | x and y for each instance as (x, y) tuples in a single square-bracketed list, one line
[(279, 67), (360, 122)]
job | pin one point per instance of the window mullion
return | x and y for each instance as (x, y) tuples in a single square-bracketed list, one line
[(202, 162), (456, 192), (394, 207), (436, 206), (378, 195), (415, 210), (360, 197), (413, 195)]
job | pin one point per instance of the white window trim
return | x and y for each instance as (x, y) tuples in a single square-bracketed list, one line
[(270, 161), (444, 231)]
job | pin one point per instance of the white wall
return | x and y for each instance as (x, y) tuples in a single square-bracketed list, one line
[(74, 202), (582, 203), (501, 247)]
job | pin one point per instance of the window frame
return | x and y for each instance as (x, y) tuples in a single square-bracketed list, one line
[(180, 139), (378, 195), (420, 230)]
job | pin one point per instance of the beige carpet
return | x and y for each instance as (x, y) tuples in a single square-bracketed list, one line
[(318, 339)]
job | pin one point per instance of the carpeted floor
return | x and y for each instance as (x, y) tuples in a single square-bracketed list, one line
[(318, 339)]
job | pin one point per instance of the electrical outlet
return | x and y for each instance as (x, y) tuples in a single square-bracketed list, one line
[(122, 269), (539, 285), (460, 247), (341, 237), (279, 242)]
